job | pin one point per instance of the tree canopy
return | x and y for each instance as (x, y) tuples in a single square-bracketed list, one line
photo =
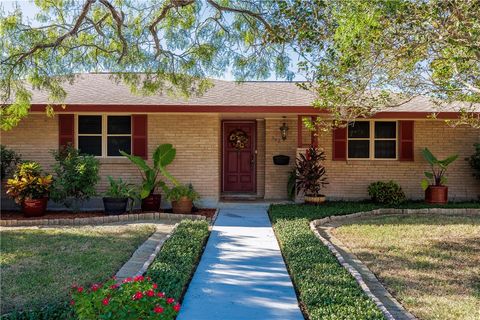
[(359, 56)]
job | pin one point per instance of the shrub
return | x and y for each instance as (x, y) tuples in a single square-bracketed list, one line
[(177, 192), (173, 267), (474, 161), (311, 175), (28, 182), (76, 177), (386, 192), (137, 298), (10, 159)]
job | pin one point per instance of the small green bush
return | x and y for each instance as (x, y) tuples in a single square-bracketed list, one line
[(10, 159), (386, 192), (174, 265), (76, 176), (474, 161)]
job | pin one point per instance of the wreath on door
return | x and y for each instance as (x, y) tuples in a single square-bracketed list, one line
[(238, 139)]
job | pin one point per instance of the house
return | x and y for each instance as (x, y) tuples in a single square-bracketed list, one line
[(226, 139)]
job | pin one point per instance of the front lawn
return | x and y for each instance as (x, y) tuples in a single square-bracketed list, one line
[(325, 289), (430, 263), (39, 265)]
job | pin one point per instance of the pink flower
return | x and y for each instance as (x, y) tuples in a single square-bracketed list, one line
[(129, 279), (95, 287), (176, 307), (106, 301), (138, 295), (150, 293), (80, 289), (158, 309), (161, 294), (114, 286), (138, 278), (155, 286), (170, 300), (72, 302)]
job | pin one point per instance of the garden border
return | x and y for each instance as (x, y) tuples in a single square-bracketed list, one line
[(359, 277), (100, 220)]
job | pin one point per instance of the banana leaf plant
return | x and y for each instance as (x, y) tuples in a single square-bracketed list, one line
[(162, 157), (436, 175)]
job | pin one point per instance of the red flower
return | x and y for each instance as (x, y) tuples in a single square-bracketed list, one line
[(176, 307), (150, 293), (80, 289), (170, 300), (129, 279), (161, 294), (72, 302), (138, 295), (95, 287), (106, 301), (114, 286), (155, 286), (158, 309), (138, 278)]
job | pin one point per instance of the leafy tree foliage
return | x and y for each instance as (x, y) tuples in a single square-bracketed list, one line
[(175, 44), (362, 56)]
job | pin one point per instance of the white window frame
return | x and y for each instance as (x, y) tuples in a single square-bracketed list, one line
[(372, 140), (104, 133)]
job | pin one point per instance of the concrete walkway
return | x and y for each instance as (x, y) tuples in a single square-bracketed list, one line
[(241, 274)]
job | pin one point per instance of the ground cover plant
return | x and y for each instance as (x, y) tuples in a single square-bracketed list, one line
[(429, 263), (325, 289)]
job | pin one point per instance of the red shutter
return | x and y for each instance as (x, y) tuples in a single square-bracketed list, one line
[(405, 140), (66, 130), (339, 152), (139, 135)]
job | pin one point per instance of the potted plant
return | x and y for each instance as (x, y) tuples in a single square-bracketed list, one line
[(117, 196), (311, 175), (434, 182), (162, 157), (182, 197), (30, 188)]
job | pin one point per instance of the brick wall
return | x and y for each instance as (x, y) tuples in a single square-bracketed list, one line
[(349, 179)]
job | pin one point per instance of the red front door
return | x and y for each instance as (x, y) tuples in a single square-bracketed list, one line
[(239, 156)]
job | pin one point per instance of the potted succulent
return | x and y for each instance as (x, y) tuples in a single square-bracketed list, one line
[(182, 197), (311, 175), (117, 196), (434, 182), (162, 157), (30, 188)]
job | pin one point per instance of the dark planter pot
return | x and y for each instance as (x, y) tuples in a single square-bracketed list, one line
[(34, 207), (152, 202), (436, 195), (315, 200), (114, 206), (281, 160), (182, 206)]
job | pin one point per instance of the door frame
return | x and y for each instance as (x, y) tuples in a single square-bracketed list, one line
[(222, 156)]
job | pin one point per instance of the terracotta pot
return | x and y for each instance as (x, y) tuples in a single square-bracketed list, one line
[(114, 206), (182, 206), (34, 207), (314, 199), (436, 195), (152, 202)]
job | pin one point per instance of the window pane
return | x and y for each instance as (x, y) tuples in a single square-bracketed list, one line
[(358, 148), (90, 145), (385, 149), (118, 143), (119, 125), (359, 129), (90, 124), (385, 129)]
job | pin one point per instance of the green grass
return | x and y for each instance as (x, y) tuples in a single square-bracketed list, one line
[(173, 267), (39, 265), (431, 264), (325, 289)]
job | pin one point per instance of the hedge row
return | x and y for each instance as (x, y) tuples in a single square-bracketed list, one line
[(172, 270), (325, 289)]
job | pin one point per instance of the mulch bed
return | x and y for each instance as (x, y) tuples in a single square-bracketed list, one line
[(17, 215)]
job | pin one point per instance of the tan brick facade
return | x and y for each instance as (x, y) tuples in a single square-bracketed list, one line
[(197, 138)]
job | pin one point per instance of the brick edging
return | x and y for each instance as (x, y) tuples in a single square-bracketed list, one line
[(353, 271), (100, 220)]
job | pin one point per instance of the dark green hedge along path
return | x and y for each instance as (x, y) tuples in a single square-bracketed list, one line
[(326, 290), (172, 269)]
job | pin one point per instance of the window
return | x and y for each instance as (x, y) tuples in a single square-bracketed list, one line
[(102, 135), (372, 140)]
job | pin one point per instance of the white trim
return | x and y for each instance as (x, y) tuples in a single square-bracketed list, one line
[(372, 140)]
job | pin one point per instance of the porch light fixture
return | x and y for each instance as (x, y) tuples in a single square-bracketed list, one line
[(283, 131)]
